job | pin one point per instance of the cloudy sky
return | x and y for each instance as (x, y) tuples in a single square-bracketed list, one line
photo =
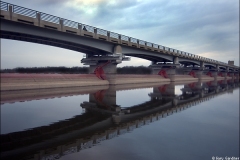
[(206, 28)]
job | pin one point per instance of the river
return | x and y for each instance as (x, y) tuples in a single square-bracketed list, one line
[(192, 121)]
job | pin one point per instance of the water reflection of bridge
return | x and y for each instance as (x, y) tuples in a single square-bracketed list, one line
[(98, 124)]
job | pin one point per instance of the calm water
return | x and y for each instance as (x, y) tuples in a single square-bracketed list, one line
[(187, 121)]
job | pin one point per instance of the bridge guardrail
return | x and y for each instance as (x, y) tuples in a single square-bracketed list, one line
[(161, 47), (149, 44), (155, 46), (166, 48), (88, 28), (4, 6), (114, 35), (141, 42), (133, 40), (49, 18), (24, 11), (101, 32), (125, 38), (68, 23)]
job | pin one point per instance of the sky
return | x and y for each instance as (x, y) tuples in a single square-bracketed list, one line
[(205, 28)]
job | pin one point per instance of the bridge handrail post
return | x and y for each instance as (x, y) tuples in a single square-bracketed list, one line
[(119, 38), (80, 28), (61, 24), (38, 18), (108, 35), (95, 32), (10, 9)]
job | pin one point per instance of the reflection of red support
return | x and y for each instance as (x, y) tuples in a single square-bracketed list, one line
[(228, 74), (192, 73), (220, 74), (162, 89), (209, 83), (220, 82), (100, 72), (209, 74), (99, 95), (191, 85)]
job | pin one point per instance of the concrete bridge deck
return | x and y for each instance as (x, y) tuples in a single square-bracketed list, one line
[(26, 24)]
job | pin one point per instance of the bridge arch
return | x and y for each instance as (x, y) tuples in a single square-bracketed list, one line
[(29, 33)]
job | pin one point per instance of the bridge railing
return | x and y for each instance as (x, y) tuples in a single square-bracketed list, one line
[(102, 32), (141, 42), (93, 30), (4, 6), (70, 23), (125, 38), (24, 11), (149, 44), (155, 46), (114, 35), (49, 18), (87, 28), (133, 40)]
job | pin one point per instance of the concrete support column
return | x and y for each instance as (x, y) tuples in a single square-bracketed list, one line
[(198, 74), (171, 74), (237, 76), (214, 74), (227, 69), (165, 70), (109, 71), (231, 75), (175, 60), (105, 66), (10, 9), (224, 75), (202, 64)]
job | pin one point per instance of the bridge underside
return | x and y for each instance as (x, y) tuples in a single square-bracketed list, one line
[(50, 42), (30, 33), (88, 45), (149, 57)]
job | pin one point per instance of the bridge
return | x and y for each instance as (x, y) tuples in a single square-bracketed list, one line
[(86, 130), (104, 49)]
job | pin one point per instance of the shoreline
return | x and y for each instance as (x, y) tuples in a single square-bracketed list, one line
[(26, 81)]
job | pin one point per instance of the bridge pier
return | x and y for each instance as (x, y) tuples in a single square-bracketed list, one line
[(210, 73), (195, 72), (105, 66), (230, 75), (237, 76), (165, 70)]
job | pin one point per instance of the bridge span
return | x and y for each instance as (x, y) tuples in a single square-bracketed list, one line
[(104, 49)]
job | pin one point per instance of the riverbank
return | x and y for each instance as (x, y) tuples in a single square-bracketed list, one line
[(17, 81)]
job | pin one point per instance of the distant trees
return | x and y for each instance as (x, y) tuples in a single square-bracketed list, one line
[(134, 70), (79, 70), (82, 70)]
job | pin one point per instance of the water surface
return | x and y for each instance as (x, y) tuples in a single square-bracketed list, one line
[(187, 121)]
